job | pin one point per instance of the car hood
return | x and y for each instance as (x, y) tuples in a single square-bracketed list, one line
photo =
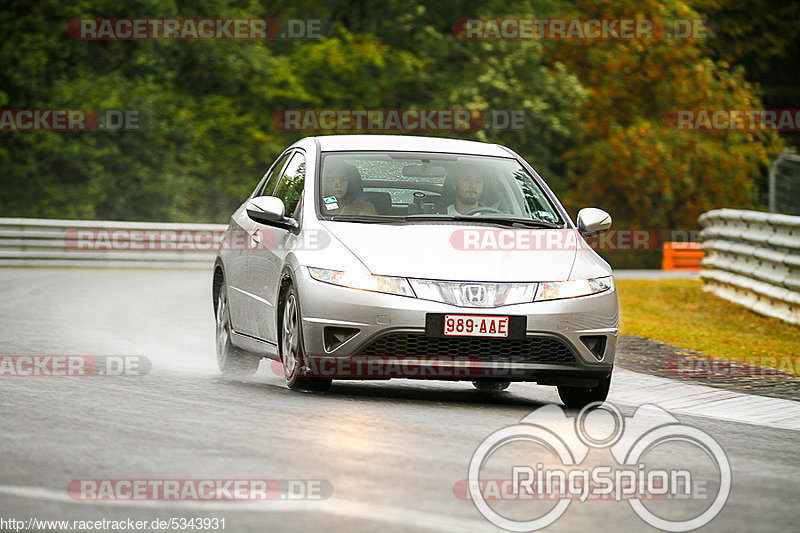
[(457, 251)]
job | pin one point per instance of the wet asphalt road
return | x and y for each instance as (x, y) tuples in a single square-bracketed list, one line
[(391, 452)]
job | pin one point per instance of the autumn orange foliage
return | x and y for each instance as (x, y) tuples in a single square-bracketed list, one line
[(631, 160)]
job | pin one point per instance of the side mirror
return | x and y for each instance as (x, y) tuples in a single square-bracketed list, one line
[(269, 210), (593, 221)]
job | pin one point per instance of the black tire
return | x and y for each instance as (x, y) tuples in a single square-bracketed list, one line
[(491, 385), (232, 361), (582, 396), (292, 349)]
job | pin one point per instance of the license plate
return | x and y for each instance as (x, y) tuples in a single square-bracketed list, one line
[(475, 326)]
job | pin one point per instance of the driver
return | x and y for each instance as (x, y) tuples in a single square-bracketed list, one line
[(340, 188), (469, 189)]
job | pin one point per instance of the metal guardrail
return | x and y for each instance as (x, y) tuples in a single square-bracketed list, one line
[(753, 259), (94, 243), (784, 184)]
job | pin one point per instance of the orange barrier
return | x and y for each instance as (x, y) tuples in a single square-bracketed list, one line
[(682, 256)]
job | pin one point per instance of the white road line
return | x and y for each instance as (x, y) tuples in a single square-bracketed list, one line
[(633, 388), (412, 519)]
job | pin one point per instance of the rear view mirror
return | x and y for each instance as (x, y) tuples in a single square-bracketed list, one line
[(424, 171), (593, 221)]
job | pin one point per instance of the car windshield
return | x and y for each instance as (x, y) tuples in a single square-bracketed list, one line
[(389, 187)]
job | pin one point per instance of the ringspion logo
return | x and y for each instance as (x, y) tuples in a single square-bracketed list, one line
[(644, 454)]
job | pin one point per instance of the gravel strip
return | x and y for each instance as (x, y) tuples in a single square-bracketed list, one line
[(661, 359)]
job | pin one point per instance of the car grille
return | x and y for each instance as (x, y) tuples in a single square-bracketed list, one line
[(529, 350)]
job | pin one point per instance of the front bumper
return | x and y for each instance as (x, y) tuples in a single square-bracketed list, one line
[(384, 337)]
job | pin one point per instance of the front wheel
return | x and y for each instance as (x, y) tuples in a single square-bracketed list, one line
[(292, 349), (232, 361), (582, 396)]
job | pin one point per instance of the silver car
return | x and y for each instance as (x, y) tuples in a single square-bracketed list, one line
[(386, 256)]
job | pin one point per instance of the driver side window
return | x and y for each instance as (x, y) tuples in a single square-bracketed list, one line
[(271, 178), (290, 189)]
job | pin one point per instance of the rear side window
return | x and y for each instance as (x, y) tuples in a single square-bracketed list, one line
[(290, 188), (271, 178)]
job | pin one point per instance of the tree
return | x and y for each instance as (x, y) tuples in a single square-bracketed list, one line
[(630, 156)]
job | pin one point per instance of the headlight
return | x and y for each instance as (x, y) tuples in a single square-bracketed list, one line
[(365, 282), (555, 290)]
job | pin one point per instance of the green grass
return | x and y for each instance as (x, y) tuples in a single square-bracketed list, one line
[(680, 313)]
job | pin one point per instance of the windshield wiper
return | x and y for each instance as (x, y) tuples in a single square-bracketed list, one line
[(371, 219), (511, 222), (529, 222)]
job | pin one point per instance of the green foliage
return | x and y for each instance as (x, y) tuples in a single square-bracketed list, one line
[(594, 110)]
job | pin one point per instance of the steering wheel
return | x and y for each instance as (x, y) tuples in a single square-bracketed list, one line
[(483, 209)]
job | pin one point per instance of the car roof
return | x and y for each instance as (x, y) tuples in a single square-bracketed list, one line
[(408, 143)]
